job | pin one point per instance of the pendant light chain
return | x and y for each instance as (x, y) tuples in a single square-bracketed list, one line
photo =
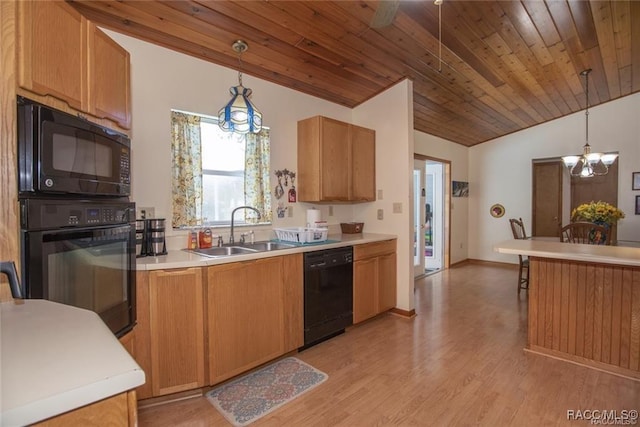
[(586, 112), (440, 36)]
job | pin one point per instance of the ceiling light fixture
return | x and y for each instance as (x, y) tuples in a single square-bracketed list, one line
[(240, 115), (589, 164)]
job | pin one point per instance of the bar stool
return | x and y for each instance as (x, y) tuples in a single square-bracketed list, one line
[(517, 228)]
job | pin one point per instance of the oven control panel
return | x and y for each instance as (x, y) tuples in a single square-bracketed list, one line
[(48, 214)]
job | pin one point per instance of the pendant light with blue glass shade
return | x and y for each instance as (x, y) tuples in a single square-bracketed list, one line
[(240, 115)]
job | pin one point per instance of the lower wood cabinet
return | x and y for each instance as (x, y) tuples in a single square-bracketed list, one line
[(254, 313), (374, 279), (200, 326), (118, 410), (170, 338)]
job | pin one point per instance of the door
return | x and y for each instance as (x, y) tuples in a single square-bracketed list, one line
[(419, 197), (547, 198), (434, 217)]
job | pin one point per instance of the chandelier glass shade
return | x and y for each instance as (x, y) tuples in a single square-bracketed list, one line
[(588, 164), (240, 115)]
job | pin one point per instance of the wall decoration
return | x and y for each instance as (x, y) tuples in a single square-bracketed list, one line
[(460, 189), (497, 210), (284, 176), (637, 205), (635, 181)]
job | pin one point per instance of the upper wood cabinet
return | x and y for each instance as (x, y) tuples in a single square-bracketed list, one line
[(63, 55), (336, 161), (109, 78)]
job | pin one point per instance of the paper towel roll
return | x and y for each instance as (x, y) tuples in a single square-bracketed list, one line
[(313, 215)]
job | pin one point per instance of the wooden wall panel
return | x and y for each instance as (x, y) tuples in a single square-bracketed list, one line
[(589, 312)]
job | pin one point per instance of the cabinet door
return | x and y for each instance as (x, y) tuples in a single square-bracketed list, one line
[(109, 92), (293, 302), (365, 292), (335, 160), (386, 282), (245, 316), (176, 311), (363, 164), (52, 50)]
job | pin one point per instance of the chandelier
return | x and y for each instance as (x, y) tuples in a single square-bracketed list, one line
[(240, 115), (589, 164)]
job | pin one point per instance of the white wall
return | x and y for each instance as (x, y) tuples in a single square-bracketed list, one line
[(458, 155), (500, 170), (391, 115)]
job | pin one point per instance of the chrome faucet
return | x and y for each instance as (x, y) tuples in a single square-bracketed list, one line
[(233, 212)]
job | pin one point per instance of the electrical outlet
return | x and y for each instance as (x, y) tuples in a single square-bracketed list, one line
[(290, 211), (330, 210), (379, 194), (397, 207), (380, 214), (145, 212)]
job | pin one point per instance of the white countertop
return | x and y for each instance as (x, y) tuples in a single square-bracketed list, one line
[(185, 259), (55, 358), (571, 251)]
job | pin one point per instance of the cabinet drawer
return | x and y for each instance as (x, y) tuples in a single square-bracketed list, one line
[(373, 249)]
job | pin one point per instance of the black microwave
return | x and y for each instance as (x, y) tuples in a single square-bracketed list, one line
[(59, 153)]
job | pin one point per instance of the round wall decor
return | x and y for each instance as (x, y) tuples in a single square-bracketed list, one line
[(497, 210)]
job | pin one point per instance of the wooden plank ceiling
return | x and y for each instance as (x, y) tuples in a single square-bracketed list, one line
[(504, 65)]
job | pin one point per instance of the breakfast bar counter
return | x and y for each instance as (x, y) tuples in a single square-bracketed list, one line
[(56, 358), (584, 303)]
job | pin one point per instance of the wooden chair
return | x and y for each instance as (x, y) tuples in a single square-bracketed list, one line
[(585, 232), (517, 228)]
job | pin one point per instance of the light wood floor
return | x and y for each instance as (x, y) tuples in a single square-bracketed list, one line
[(460, 361)]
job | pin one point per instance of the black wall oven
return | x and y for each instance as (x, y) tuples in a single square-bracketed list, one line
[(77, 224), (81, 253)]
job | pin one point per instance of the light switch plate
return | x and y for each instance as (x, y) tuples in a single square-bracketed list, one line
[(290, 211), (397, 207), (379, 194), (380, 214), (330, 210)]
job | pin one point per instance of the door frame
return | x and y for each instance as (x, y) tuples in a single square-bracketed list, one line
[(446, 196)]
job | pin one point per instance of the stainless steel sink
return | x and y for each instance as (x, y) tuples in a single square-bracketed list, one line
[(224, 251), (268, 246), (245, 248)]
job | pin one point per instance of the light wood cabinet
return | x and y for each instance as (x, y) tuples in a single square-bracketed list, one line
[(374, 279), (118, 410), (108, 78), (254, 313), (63, 55), (170, 340), (336, 161)]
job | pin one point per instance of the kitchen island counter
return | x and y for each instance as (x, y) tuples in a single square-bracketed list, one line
[(56, 358), (583, 303)]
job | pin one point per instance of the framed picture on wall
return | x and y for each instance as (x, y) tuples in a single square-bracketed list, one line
[(637, 205), (635, 181)]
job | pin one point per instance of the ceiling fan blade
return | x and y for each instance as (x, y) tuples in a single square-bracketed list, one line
[(385, 13)]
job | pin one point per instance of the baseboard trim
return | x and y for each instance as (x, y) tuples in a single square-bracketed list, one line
[(407, 314), (484, 262)]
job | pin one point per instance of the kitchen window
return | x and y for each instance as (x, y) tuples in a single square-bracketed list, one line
[(216, 171)]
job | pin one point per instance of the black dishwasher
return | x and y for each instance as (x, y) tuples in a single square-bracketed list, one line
[(328, 293)]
